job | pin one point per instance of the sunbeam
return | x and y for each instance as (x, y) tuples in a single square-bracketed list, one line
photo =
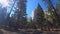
[(4, 3)]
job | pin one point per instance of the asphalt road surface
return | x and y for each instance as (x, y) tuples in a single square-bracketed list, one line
[(2, 31)]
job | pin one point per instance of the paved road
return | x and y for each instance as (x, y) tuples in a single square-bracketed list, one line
[(2, 31)]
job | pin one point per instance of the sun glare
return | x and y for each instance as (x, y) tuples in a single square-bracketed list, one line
[(4, 3)]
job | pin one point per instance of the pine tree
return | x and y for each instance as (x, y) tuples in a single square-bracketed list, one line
[(21, 14), (53, 12), (58, 10), (40, 16), (2, 15)]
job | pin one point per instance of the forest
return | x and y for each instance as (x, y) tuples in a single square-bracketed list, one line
[(13, 16)]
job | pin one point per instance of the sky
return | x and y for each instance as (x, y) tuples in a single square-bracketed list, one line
[(32, 5)]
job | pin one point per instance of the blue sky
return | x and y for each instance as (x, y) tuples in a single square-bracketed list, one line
[(32, 5)]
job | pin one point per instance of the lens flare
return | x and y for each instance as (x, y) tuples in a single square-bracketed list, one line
[(4, 3)]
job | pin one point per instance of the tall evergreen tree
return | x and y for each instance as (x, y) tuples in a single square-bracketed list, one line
[(58, 9), (40, 16), (2, 16), (53, 12), (21, 13)]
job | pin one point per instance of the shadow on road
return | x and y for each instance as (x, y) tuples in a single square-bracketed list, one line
[(1, 32)]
